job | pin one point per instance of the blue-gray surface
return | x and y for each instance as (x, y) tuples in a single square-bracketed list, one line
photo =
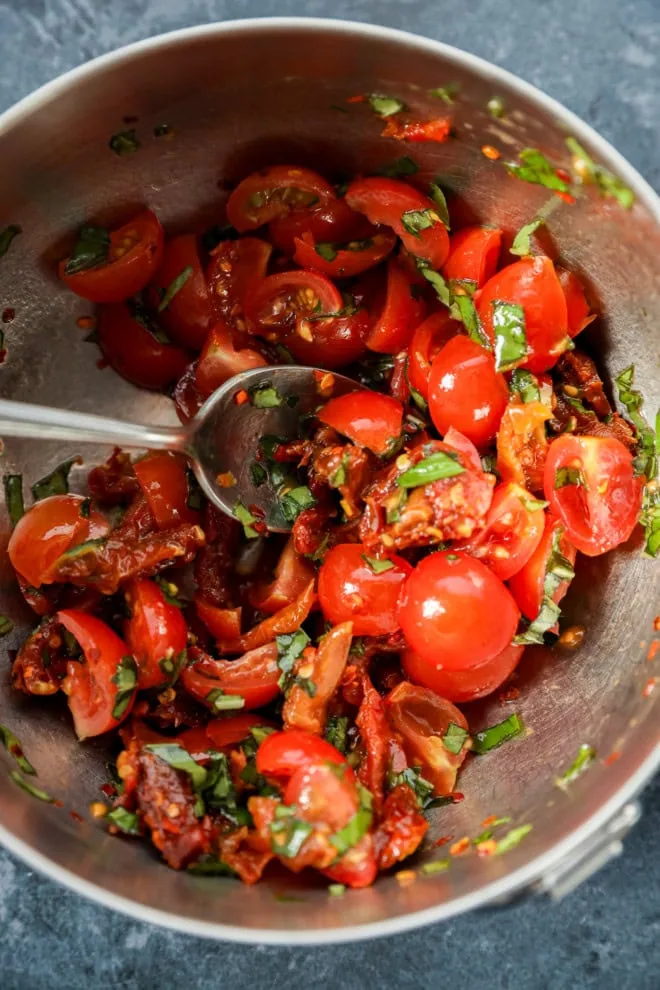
[(599, 57)]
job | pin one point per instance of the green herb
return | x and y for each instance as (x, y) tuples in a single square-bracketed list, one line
[(171, 667), (418, 399), (338, 108), (437, 281), (463, 308), (288, 833), (396, 502), (246, 519), (385, 106), (221, 702), (399, 167), (445, 93), (179, 759), (340, 476), (290, 647), (124, 142), (337, 889), (412, 778), (558, 569), (210, 866), (30, 788), (650, 520), (534, 504), (7, 236), (294, 501), (646, 462), (432, 468), (524, 384), (495, 107), (585, 757), (125, 678), (359, 825), (377, 566), (126, 821), (454, 738), (512, 839), (534, 167), (438, 197), (258, 474), (6, 626), (174, 287), (414, 221), (510, 336), (336, 729), (607, 182), (439, 866), (495, 735), (265, 397), (142, 315), (89, 546), (85, 508), (326, 250), (522, 241), (169, 590), (90, 250), (14, 748), (568, 476), (55, 483), (14, 497)]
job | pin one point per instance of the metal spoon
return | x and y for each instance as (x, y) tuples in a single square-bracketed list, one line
[(222, 439)]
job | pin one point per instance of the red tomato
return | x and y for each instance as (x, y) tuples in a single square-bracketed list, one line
[(400, 314), (46, 531), (285, 620), (410, 214), (369, 419), (466, 392), (292, 575), (457, 441), (222, 623), (344, 260), (350, 590), (601, 506), (275, 192), (163, 479), (454, 609), (533, 284), (156, 631), (473, 254), (189, 314), (463, 685), (135, 253), (232, 273), (253, 676), (92, 688), (226, 353), (437, 129), (227, 732), (511, 534), (334, 222), (578, 310), (522, 444), (429, 338), (282, 753), (140, 355), (527, 585), (333, 344)]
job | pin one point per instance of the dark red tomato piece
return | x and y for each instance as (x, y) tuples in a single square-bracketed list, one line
[(344, 260), (351, 589), (281, 754), (163, 478), (155, 632), (473, 254), (456, 440), (455, 611), (410, 214), (275, 192), (429, 338), (578, 309), (369, 419), (334, 222), (234, 270), (401, 312), (222, 623), (331, 343), (512, 532), (466, 392), (253, 677), (226, 353), (227, 732), (140, 355), (47, 530), (533, 284), (591, 486), (99, 690), (463, 685), (527, 585), (189, 313), (136, 250)]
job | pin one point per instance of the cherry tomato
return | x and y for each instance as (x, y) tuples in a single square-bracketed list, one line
[(463, 685), (253, 676), (369, 419), (334, 342), (190, 313), (591, 486), (466, 392), (344, 260), (429, 338), (533, 284), (282, 753), (292, 575), (156, 631), (235, 268), (226, 353), (47, 530), (97, 700), (455, 611), (578, 309), (422, 718), (334, 222), (401, 312), (410, 214), (473, 254), (134, 255), (275, 192), (527, 585), (164, 480), (226, 732), (222, 623), (140, 355), (522, 445), (351, 591), (511, 534)]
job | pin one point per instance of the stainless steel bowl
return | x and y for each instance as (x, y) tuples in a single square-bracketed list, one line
[(238, 96)]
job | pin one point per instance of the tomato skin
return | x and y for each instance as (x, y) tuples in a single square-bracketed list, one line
[(454, 608), (473, 254), (335, 342), (253, 676), (227, 732), (292, 575), (578, 309), (400, 314), (91, 692), (602, 512), (163, 479), (155, 631), (350, 591), (429, 338), (369, 419), (305, 189), (281, 754), (47, 530), (522, 445), (466, 392), (225, 353), (460, 686), (134, 352), (233, 271), (190, 313), (334, 222), (124, 274), (384, 201), (348, 262), (527, 585)]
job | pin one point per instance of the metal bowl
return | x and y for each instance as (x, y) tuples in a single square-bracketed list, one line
[(242, 95)]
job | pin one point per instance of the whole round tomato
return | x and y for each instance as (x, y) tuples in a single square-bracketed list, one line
[(427, 340), (344, 260), (134, 345), (163, 477), (226, 353), (473, 254), (369, 419), (455, 611), (253, 677), (401, 312), (155, 632), (353, 588), (282, 753), (527, 585), (188, 313), (275, 192), (463, 685), (235, 268)]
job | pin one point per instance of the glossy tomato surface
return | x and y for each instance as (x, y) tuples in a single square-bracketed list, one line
[(163, 478), (460, 686), (189, 312), (473, 254), (357, 588), (133, 343), (427, 340), (233, 272), (527, 585), (344, 260), (401, 312), (282, 753), (156, 632), (252, 677), (275, 192), (369, 419)]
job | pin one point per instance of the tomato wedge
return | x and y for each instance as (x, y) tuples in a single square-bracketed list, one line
[(163, 478), (156, 632), (134, 345), (463, 685), (369, 419), (234, 270), (578, 309), (252, 677), (355, 588), (282, 753), (226, 353), (427, 340), (527, 585), (275, 192), (344, 260), (402, 310), (222, 623), (189, 312), (334, 222), (473, 254), (522, 445), (292, 575)]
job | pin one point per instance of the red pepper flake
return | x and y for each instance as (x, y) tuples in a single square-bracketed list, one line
[(656, 623), (360, 98), (101, 364), (141, 709), (653, 649), (562, 174), (488, 151), (566, 197), (510, 694), (456, 797), (109, 790), (8, 314), (226, 480), (443, 840), (3, 355), (241, 397), (461, 847), (612, 758), (487, 822), (86, 322), (418, 130), (649, 687), (58, 804), (76, 817)]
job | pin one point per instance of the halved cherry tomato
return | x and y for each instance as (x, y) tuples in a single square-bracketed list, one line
[(222, 623), (511, 534), (591, 486), (427, 340), (164, 480), (189, 314), (369, 419), (274, 192), (334, 222), (140, 355), (463, 685), (225, 732), (323, 668), (292, 575), (522, 445), (344, 260), (135, 253), (351, 590), (578, 309), (286, 620), (156, 631), (473, 254), (454, 611), (533, 284), (330, 343), (527, 585), (234, 270), (47, 530), (253, 676), (282, 753), (226, 353), (92, 687), (466, 392), (402, 310), (422, 718), (410, 214)]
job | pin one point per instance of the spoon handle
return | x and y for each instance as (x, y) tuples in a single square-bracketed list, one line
[(22, 419)]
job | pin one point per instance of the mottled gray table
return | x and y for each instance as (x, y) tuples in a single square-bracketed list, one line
[(599, 58)]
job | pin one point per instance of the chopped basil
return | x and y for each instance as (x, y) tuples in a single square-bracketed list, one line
[(171, 667), (124, 142), (510, 336), (357, 827), (385, 106), (558, 569), (650, 519), (414, 221), (175, 286), (399, 167), (326, 250), (337, 889), (222, 702), (265, 397), (89, 546), (209, 866), (608, 184), (340, 476), (454, 738), (126, 678), (445, 93), (438, 866), (30, 788), (90, 250), (464, 309), (534, 167), (85, 508), (524, 384), (7, 236), (247, 520), (432, 468), (495, 735), (6, 626), (395, 503), (512, 839), (419, 785), (258, 474), (377, 566), (126, 821), (288, 833), (55, 483), (179, 759), (438, 197), (534, 504), (522, 241), (14, 748), (488, 833), (141, 315), (335, 732), (568, 476), (646, 461), (13, 484), (294, 501), (437, 281), (495, 107), (585, 757), (169, 591), (418, 399), (290, 647)]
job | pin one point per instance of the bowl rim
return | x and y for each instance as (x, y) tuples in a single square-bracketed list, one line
[(524, 876)]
